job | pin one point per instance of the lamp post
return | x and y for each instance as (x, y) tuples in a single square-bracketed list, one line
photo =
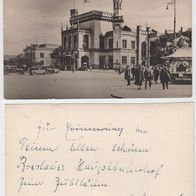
[(173, 3)]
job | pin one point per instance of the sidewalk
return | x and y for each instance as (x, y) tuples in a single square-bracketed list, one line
[(156, 91)]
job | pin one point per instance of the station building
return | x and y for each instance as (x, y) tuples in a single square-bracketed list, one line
[(100, 38)]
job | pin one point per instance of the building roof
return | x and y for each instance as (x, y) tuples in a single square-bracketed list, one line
[(126, 28), (42, 46), (92, 15)]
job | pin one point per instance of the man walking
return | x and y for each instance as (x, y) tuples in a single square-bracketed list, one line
[(156, 74), (148, 77), (165, 77), (128, 74)]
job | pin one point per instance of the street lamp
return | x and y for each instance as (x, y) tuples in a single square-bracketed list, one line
[(173, 3)]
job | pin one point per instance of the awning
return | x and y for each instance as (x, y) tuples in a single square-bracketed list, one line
[(180, 54)]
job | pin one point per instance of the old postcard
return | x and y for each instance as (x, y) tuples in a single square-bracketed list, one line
[(81, 49), (99, 150)]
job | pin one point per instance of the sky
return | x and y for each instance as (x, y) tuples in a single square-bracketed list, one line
[(31, 21)]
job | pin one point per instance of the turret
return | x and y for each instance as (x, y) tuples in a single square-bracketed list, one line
[(117, 14), (117, 7)]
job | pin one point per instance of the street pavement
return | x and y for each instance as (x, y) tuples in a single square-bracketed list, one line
[(83, 85)]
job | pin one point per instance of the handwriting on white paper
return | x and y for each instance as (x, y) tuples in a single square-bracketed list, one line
[(40, 158)]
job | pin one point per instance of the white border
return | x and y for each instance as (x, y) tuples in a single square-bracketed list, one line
[(3, 102)]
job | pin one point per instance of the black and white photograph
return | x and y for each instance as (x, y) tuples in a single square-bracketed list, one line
[(97, 49)]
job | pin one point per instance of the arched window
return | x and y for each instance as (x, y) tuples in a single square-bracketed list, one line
[(143, 49), (85, 42)]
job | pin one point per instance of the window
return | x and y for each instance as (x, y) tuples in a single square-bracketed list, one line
[(124, 43), (65, 42), (69, 41), (101, 42), (41, 55), (132, 44), (75, 41), (132, 60), (117, 44), (42, 62), (110, 41), (143, 49), (33, 55), (124, 60), (85, 42)]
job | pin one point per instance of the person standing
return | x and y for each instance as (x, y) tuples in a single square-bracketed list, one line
[(165, 77), (139, 76), (148, 77), (128, 74), (156, 74)]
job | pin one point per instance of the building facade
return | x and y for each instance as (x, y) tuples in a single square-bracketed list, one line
[(99, 38), (40, 53)]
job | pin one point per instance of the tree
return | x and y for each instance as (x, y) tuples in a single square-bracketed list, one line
[(57, 58), (166, 45)]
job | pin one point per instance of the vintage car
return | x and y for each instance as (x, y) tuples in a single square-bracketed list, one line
[(37, 71), (20, 71)]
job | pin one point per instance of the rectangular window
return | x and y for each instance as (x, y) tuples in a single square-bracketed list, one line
[(124, 43), (69, 42), (75, 41), (117, 44), (65, 43), (41, 55), (110, 43), (42, 62), (101, 42), (133, 45), (132, 60), (124, 60)]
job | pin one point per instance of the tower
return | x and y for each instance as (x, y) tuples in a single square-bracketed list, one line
[(117, 23), (117, 7), (117, 18)]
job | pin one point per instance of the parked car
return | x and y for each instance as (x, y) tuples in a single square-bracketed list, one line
[(20, 71), (39, 72)]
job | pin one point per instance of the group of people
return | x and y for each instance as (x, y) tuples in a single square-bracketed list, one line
[(144, 74)]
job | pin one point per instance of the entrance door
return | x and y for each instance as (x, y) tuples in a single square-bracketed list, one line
[(85, 61), (110, 62)]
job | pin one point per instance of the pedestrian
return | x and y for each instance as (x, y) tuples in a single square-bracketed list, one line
[(133, 72), (139, 76), (72, 68), (156, 74), (148, 77), (128, 74), (165, 77)]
